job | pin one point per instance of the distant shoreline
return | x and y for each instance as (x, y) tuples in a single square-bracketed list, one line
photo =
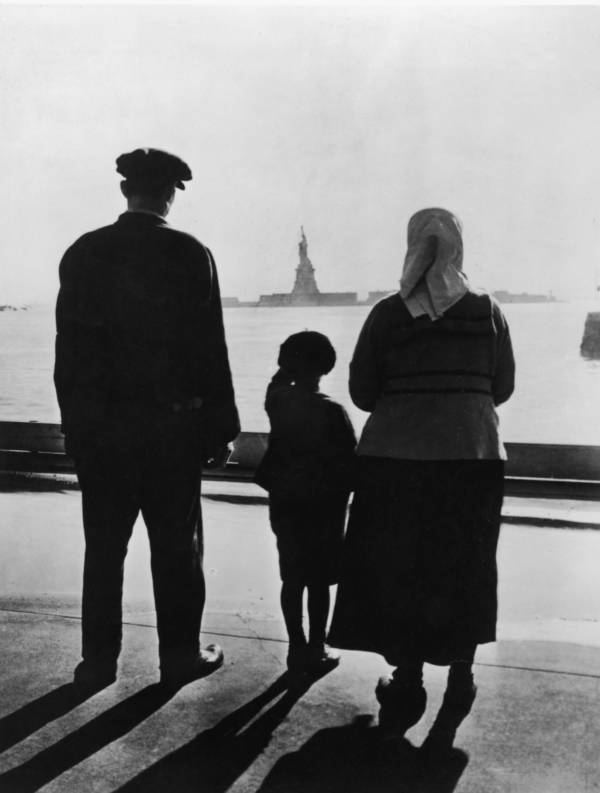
[(516, 298), (287, 300)]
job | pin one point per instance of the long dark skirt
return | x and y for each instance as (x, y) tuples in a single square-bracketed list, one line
[(419, 569)]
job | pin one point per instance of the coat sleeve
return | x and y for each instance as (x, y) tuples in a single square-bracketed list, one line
[(280, 383), (365, 376), (503, 379), (66, 334), (219, 395), (344, 431), (341, 461), (80, 368)]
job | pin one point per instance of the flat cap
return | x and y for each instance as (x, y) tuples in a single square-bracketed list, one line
[(154, 166)]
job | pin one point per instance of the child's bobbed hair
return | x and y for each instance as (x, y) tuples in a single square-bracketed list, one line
[(307, 353)]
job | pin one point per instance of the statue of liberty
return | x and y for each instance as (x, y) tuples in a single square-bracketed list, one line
[(305, 284)]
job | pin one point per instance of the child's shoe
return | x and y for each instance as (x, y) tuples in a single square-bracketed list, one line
[(297, 658), (321, 658)]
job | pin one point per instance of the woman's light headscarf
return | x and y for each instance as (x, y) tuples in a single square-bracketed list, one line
[(432, 279)]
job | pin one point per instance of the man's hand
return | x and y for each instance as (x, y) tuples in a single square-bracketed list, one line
[(219, 458)]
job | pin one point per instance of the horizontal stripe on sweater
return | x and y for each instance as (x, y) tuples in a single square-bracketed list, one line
[(485, 391), (434, 372)]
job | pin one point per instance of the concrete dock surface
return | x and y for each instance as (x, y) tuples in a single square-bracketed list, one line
[(534, 728)]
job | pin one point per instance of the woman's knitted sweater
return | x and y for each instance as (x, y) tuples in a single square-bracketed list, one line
[(432, 386)]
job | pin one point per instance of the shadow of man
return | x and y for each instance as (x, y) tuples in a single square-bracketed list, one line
[(361, 758), (78, 745), (30, 718), (213, 760)]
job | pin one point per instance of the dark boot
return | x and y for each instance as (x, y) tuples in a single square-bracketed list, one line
[(456, 706), (402, 699)]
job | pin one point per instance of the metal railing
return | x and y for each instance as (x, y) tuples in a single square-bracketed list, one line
[(533, 469)]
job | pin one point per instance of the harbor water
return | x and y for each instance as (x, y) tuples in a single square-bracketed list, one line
[(557, 397)]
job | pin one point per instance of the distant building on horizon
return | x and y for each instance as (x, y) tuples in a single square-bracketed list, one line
[(377, 295), (502, 296), (305, 291)]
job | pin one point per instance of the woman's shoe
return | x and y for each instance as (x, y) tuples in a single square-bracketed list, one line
[(402, 704), (456, 706), (459, 699)]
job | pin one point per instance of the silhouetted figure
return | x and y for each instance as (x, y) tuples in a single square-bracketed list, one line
[(308, 470), (419, 579), (145, 392)]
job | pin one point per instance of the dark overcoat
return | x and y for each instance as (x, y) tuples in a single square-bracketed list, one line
[(140, 328)]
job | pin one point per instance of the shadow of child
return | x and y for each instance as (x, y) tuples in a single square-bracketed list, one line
[(213, 760)]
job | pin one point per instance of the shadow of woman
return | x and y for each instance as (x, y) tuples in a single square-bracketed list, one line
[(361, 758), (213, 760), (83, 742)]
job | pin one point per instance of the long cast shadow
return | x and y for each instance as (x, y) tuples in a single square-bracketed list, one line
[(93, 736), (18, 725), (361, 758), (213, 760)]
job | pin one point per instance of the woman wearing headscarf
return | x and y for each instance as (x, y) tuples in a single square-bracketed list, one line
[(419, 582)]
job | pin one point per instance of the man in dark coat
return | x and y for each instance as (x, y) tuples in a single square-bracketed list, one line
[(145, 392)]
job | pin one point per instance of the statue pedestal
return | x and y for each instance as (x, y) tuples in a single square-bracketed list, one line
[(590, 343)]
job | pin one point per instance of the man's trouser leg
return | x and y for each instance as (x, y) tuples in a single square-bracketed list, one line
[(109, 513), (171, 510)]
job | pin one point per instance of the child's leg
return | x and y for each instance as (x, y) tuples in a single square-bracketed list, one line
[(291, 606), (320, 657), (318, 612)]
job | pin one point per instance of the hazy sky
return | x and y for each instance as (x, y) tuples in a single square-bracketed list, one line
[(343, 120)]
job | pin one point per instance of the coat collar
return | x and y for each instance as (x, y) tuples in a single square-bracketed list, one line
[(141, 219)]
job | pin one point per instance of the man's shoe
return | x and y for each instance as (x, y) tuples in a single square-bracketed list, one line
[(95, 675), (206, 662)]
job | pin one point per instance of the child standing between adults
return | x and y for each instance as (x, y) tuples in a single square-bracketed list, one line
[(308, 470)]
